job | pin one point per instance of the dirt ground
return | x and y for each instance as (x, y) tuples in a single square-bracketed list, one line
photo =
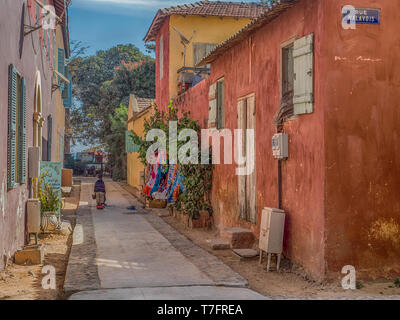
[(25, 282), (290, 281)]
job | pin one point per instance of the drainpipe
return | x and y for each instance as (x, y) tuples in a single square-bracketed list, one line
[(279, 130), (279, 184)]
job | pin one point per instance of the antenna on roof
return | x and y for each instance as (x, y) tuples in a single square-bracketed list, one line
[(185, 42)]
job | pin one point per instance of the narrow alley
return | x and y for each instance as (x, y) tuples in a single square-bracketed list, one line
[(135, 260)]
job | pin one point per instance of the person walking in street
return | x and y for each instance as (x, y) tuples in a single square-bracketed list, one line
[(100, 192)]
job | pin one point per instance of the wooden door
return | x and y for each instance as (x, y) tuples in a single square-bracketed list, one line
[(247, 184)]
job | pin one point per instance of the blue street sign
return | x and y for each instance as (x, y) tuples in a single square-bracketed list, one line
[(363, 16)]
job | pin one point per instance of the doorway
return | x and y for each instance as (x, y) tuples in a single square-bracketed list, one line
[(247, 184)]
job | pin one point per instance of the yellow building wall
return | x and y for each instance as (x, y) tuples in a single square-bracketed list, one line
[(208, 30), (134, 165), (59, 121)]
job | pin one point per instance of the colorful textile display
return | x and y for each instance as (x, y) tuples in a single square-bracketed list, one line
[(154, 176), (163, 182)]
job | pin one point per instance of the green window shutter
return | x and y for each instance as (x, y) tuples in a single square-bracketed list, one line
[(130, 146), (220, 104), (61, 66), (67, 92), (22, 134), (12, 125)]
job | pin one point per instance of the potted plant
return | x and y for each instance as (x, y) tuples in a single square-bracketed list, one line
[(50, 204)]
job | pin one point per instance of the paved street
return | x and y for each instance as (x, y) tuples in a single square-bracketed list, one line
[(139, 256)]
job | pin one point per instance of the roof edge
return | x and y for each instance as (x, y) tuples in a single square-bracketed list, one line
[(266, 17)]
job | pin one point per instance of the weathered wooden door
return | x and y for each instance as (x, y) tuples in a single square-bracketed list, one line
[(247, 184)]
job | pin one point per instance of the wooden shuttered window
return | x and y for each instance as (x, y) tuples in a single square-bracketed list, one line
[(216, 110), (221, 104), (200, 50), (67, 92), (303, 59), (61, 66), (12, 126), (16, 153)]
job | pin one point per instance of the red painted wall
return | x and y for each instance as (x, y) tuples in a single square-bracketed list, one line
[(362, 118), (253, 67), (162, 85), (341, 183)]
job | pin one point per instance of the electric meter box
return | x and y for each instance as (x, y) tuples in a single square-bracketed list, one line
[(280, 146)]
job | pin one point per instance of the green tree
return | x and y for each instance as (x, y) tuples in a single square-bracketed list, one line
[(89, 74), (102, 86), (115, 142)]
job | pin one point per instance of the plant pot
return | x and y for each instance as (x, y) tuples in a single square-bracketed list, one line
[(49, 221), (204, 221), (158, 204)]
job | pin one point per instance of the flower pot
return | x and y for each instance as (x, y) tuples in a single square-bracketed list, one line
[(158, 204), (49, 221)]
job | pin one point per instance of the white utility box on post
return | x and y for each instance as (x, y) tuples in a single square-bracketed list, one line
[(280, 146), (33, 217), (271, 234)]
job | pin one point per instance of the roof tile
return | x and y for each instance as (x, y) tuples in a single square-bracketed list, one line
[(207, 8)]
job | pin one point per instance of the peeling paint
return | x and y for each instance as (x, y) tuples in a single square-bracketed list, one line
[(385, 230)]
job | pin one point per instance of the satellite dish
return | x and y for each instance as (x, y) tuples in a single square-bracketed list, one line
[(184, 40)]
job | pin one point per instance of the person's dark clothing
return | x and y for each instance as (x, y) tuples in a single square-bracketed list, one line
[(100, 186)]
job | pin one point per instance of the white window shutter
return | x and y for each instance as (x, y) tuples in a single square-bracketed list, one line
[(303, 56)]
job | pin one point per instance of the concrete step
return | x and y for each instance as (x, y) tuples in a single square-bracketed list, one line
[(238, 238)]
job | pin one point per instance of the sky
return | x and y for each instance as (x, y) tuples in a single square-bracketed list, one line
[(102, 24)]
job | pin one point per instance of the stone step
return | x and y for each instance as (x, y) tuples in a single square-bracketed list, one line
[(238, 238), (218, 244), (30, 255)]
